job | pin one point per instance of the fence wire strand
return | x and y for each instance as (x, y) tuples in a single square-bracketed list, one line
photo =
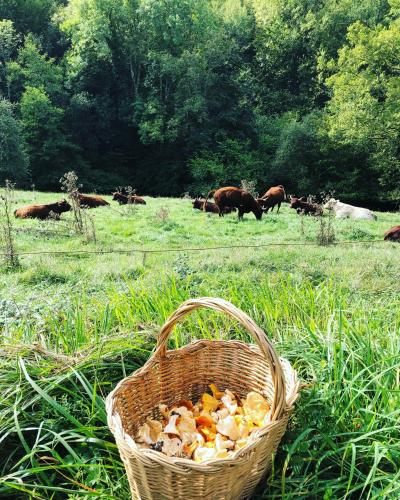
[(191, 249)]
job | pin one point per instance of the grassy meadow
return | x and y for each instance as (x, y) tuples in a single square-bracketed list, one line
[(73, 325)]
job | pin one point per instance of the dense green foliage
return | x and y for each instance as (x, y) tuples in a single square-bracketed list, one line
[(184, 95), (13, 157), (73, 325)]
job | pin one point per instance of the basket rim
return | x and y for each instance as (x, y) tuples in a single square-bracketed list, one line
[(115, 423)]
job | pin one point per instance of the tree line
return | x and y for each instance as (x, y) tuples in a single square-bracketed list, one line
[(174, 96)]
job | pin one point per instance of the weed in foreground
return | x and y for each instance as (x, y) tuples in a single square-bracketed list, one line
[(11, 260), (162, 215), (83, 221), (326, 230), (250, 186)]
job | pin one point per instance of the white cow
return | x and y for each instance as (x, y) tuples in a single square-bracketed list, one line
[(344, 211)]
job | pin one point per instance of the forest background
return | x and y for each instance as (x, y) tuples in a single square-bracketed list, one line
[(175, 96)]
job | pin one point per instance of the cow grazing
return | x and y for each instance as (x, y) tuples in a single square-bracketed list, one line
[(274, 196), (210, 207), (124, 199), (345, 211), (43, 211), (233, 197), (91, 201), (393, 234), (305, 207)]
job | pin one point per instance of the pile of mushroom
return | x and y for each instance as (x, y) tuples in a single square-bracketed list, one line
[(214, 427)]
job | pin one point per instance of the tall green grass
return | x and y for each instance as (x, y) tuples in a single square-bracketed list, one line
[(343, 441)]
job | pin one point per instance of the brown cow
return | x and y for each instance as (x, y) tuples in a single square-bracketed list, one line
[(393, 234), (233, 197), (43, 211), (305, 207), (91, 201), (205, 206), (210, 207), (124, 199), (274, 196)]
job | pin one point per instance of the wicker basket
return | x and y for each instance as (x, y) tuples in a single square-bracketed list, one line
[(170, 376)]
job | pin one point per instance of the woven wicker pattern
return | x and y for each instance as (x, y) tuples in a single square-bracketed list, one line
[(170, 376)]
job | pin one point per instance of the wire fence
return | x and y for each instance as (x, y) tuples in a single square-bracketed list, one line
[(193, 249)]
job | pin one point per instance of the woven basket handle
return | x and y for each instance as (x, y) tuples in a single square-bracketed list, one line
[(277, 375)]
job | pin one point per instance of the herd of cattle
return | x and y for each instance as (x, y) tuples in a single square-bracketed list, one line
[(226, 200), (232, 198), (54, 210)]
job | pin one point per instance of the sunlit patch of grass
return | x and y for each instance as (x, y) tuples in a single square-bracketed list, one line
[(358, 233), (44, 275)]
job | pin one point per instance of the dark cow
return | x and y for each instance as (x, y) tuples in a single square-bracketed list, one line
[(210, 207), (274, 196), (43, 211), (233, 197), (205, 206), (393, 234), (91, 201), (305, 207), (123, 199)]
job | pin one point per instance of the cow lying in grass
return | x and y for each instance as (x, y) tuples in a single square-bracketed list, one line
[(345, 211), (124, 199), (393, 234), (91, 201), (304, 207), (210, 207), (43, 211)]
